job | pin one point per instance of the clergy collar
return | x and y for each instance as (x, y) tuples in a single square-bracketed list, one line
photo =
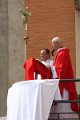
[(47, 60)]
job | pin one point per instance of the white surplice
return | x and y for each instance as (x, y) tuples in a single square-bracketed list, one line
[(64, 107), (31, 100)]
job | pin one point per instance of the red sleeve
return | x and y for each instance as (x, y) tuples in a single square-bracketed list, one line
[(62, 65)]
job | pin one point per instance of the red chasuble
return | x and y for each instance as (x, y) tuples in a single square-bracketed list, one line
[(64, 70), (31, 65)]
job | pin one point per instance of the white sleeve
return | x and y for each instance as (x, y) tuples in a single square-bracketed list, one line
[(54, 74)]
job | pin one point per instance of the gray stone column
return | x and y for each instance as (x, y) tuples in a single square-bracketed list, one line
[(77, 34), (3, 55), (12, 47), (16, 41)]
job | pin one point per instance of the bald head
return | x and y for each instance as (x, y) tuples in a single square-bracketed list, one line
[(56, 43), (56, 39)]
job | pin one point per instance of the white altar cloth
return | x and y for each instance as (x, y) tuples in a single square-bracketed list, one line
[(31, 100)]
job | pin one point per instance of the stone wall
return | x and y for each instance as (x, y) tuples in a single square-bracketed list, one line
[(3, 55), (16, 41), (12, 53), (77, 34)]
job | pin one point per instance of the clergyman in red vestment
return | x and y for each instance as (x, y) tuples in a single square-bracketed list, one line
[(63, 67)]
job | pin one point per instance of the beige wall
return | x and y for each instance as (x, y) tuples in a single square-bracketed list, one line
[(3, 55), (11, 47), (77, 32), (16, 42)]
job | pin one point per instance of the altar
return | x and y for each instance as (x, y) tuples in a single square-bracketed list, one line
[(31, 100)]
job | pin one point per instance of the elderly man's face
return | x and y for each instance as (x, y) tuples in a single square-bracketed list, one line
[(44, 55), (55, 45)]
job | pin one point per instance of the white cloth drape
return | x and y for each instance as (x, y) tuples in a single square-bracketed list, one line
[(31, 100)]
